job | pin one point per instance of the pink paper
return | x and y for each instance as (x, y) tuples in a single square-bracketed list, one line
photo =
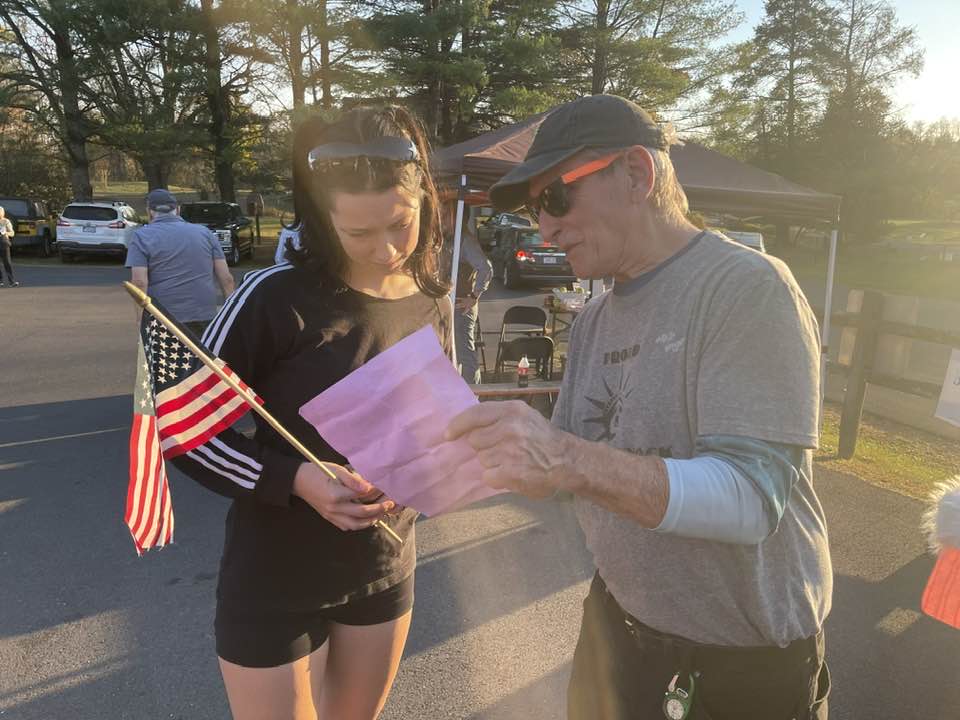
[(388, 418)]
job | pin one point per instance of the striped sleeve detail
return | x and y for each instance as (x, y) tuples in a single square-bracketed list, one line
[(215, 463), (216, 333)]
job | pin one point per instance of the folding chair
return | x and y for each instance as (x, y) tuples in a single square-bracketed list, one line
[(530, 321), (538, 350)]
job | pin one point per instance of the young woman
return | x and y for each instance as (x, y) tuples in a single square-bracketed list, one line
[(313, 603)]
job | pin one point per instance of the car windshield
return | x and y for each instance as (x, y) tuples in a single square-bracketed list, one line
[(517, 220), (205, 214), (530, 239), (90, 212), (20, 208)]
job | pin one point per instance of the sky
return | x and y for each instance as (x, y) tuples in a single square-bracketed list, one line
[(936, 92)]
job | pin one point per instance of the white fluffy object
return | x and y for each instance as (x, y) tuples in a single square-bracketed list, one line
[(941, 521)]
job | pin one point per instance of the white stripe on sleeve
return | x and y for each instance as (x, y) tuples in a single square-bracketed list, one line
[(218, 329), (233, 477)]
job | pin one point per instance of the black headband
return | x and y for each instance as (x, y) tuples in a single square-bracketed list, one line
[(398, 149)]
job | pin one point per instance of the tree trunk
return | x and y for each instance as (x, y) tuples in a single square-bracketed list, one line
[(218, 103), (599, 70), (156, 171), (326, 92), (295, 53), (74, 128)]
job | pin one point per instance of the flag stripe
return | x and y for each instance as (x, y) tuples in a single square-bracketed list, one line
[(149, 495), (186, 391), (142, 479), (173, 420), (198, 376), (176, 426), (163, 504), (156, 492), (199, 434), (194, 386), (133, 474), (136, 476)]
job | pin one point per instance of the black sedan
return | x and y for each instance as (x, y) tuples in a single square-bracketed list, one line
[(521, 255), (232, 227)]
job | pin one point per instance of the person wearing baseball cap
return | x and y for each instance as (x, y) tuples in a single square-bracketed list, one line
[(180, 264), (683, 429)]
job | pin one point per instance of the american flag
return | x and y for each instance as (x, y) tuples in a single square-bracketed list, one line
[(178, 404)]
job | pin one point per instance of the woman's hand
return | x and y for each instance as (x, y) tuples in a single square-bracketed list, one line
[(340, 501)]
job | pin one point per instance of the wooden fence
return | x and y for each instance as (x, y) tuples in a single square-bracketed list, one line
[(871, 327)]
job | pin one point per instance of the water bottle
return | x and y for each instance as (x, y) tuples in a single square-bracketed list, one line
[(523, 372)]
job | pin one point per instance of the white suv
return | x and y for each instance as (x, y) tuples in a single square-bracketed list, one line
[(95, 228)]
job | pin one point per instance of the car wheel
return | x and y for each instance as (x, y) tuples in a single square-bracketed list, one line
[(66, 257), (234, 256)]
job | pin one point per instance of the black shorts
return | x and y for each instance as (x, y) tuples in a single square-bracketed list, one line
[(271, 640)]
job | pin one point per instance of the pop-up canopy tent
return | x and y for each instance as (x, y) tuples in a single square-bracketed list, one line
[(712, 181)]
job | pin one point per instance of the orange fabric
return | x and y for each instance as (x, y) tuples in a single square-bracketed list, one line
[(589, 168), (941, 598)]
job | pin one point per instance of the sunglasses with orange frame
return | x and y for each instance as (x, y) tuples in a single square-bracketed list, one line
[(554, 199)]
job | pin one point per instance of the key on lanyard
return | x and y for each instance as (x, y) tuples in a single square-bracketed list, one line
[(677, 702)]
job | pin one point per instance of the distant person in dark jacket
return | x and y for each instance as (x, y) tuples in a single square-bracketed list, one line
[(6, 241)]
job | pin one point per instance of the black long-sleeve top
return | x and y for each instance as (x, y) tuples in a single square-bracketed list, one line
[(290, 337)]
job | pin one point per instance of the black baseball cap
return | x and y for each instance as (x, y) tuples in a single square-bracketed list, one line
[(597, 121)]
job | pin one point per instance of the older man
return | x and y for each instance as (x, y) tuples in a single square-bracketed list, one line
[(178, 263), (684, 430)]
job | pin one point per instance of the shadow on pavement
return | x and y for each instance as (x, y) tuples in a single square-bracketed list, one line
[(87, 628)]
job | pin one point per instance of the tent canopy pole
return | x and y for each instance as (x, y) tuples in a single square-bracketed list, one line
[(457, 233)]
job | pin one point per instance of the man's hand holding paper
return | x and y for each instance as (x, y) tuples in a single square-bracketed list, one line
[(389, 418), (518, 448)]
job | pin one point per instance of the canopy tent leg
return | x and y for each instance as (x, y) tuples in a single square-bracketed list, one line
[(458, 230), (827, 310)]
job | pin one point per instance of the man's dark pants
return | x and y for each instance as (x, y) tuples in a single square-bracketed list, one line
[(5, 257), (621, 673), (464, 330)]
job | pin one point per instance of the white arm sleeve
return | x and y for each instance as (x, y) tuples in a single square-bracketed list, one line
[(712, 500)]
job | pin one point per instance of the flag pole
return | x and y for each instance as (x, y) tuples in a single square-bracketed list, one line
[(143, 300)]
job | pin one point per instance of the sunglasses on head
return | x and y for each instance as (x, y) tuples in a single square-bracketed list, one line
[(554, 199)]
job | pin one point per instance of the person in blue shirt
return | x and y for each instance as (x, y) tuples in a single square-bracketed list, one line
[(178, 263)]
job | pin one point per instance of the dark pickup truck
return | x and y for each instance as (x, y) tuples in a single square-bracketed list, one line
[(232, 227)]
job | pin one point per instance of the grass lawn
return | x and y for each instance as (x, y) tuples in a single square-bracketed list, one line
[(880, 270), (138, 188), (890, 455), (926, 231)]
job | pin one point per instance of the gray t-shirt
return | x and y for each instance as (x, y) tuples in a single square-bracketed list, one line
[(179, 258), (718, 340)]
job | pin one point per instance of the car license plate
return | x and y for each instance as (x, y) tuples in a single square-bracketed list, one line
[(549, 260), (90, 228)]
